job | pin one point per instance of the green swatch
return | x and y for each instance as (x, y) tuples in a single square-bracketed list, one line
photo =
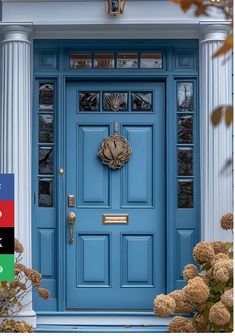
[(7, 262)]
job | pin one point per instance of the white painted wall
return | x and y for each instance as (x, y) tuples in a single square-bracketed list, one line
[(93, 12)]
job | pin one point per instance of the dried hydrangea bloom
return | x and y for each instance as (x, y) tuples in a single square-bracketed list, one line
[(21, 267), (219, 314), (197, 290), (11, 326), (200, 324), (227, 298), (183, 306), (227, 221), (219, 247), (219, 257), (44, 293), (34, 277), (181, 325), (164, 305), (18, 247), (223, 270), (203, 253), (190, 272)]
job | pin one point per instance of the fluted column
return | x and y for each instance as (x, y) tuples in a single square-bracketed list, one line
[(15, 134), (215, 142)]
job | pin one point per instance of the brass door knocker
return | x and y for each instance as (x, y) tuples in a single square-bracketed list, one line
[(115, 150)]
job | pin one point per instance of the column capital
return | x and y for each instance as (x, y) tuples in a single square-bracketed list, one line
[(214, 32), (14, 33)]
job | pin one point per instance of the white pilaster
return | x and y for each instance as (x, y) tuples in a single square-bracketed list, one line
[(15, 134), (215, 142)]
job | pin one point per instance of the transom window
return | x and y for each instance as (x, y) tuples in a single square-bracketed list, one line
[(129, 60)]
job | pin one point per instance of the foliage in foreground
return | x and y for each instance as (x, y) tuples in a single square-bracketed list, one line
[(208, 294), (13, 294)]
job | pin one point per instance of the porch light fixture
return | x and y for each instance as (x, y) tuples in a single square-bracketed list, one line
[(114, 7)]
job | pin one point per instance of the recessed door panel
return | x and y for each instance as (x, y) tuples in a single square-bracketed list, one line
[(137, 175), (137, 250), (93, 178), (93, 262)]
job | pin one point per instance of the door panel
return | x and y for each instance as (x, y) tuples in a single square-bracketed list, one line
[(90, 172), (115, 266)]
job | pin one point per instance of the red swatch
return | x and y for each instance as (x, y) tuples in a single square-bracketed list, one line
[(6, 213)]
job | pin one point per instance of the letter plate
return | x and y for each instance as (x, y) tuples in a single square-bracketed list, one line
[(115, 219)]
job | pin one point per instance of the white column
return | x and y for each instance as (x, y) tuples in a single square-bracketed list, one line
[(215, 142), (15, 134)]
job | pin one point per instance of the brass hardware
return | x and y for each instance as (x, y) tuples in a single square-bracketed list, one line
[(115, 219), (71, 219), (61, 171), (71, 201), (114, 7)]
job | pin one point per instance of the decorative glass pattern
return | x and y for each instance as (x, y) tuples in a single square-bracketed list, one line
[(80, 61), (89, 101), (115, 101), (127, 60), (141, 101), (104, 61), (45, 192), (185, 129), (46, 96), (151, 61), (46, 128), (46, 160), (185, 193), (185, 161), (185, 97)]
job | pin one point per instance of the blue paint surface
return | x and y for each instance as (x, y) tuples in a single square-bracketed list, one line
[(113, 265), (182, 226)]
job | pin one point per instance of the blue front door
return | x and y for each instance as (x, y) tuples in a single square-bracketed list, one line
[(113, 265)]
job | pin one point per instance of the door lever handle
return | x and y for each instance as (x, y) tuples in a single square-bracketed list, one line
[(71, 219)]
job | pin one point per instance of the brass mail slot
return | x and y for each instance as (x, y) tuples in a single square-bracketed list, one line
[(115, 219)]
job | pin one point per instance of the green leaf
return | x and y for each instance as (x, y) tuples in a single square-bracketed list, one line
[(219, 287), (216, 328)]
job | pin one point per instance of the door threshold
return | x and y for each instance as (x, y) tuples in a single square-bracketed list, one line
[(122, 321), (100, 329)]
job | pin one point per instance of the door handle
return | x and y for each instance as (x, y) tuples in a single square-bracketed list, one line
[(71, 219)]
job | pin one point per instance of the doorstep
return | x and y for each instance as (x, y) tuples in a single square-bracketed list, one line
[(83, 322)]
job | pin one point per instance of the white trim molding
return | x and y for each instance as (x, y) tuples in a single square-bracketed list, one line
[(215, 142), (15, 135)]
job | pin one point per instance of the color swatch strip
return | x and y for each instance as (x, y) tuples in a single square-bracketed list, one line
[(6, 227)]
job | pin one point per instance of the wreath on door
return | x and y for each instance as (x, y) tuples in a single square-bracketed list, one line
[(115, 150)]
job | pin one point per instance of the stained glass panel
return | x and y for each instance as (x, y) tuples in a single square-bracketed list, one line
[(46, 160), (89, 101), (141, 101), (115, 101), (104, 61), (185, 129), (128, 60), (46, 96), (185, 96), (46, 128), (185, 161), (80, 61), (185, 194), (151, 61), (45, 188)]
